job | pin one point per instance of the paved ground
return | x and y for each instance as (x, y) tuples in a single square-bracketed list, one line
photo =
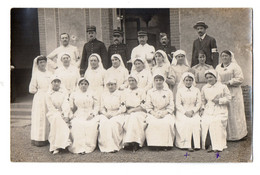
[(22, 151)]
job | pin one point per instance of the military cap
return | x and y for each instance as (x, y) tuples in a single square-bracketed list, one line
[(117, 32), (91, 28), (142, 33)]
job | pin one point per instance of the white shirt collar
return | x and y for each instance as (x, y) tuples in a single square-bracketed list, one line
[(203, 36)]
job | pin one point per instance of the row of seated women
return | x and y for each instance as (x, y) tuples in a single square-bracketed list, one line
[(122, 111)]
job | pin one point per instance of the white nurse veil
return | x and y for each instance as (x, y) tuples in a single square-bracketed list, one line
[(35, 65), (165, 58), (178, 52), (184, 75), (146, 65), (233, 60), (100, 64), (120, 58)]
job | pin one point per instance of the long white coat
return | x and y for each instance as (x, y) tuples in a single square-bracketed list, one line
[(215, 116), (84, 129), (135, 122), (187, 99), (39, 124), (160, 131), (58, 108), (111, 129)]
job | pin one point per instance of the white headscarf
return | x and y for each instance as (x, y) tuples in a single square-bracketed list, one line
[(184, 75), (65, 53), (233, 60), (143, 60), (111, 80), (135, 77), (214, 73), (35, 65), (100, 64), (81, 79), (165, 58), (62, 87), (179, 52), (120, 58)]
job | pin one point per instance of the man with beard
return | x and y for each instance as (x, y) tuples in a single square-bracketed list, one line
[(117, 47), (165, 46), (93, 46), (206, 43), (143, 50), (55, 56)]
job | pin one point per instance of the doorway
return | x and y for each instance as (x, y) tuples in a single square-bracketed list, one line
[(154, 21), (24, 48)]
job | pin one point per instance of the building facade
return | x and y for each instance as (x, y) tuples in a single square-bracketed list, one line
[(232, 29)]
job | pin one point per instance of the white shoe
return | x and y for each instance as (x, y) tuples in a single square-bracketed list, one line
[(55, 152)]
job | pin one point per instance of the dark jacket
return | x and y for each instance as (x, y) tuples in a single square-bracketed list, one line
[(94, 46), (207, 44), (120, 49), (168, 49)]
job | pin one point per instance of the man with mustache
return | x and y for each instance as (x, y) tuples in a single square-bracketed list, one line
[(165, 46), (207, 44), (93, 46), (118, 47), (54, 58), (143, 50)]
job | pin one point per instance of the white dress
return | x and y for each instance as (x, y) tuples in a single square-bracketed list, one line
[(58, 107), (145, 79), (69, 77), (96, 79), (135, 122), (236, 128), (111, 129), (120, 74), (187, 99), (160, 132), (215, 116), (39, 124), (84, 130)]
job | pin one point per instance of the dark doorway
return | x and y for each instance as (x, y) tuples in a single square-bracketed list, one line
[(24, 48), (154, 21)]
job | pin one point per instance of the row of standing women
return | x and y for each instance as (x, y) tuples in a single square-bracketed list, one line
[(119, 110)]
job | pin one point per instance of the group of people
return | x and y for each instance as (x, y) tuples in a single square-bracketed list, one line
[(88, 102)]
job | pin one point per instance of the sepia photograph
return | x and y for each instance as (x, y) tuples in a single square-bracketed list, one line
[(128, 85)]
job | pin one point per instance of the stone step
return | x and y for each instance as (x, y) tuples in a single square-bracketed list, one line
[(21, 111), (21, 105), (20, 117)]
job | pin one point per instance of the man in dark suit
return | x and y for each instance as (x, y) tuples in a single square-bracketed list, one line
[(165, 46), (93, 46), (207, 44), (118, 47)]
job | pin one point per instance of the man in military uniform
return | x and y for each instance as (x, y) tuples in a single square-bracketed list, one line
[(117, 47), (93, 46), (143, 50), (206, 43), (165, 46)]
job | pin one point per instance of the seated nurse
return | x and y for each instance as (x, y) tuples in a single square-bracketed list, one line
[(160, 132), (215, 100), (188, 103), (84, 130), (58, 116), (134, 98), (112, 118)]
